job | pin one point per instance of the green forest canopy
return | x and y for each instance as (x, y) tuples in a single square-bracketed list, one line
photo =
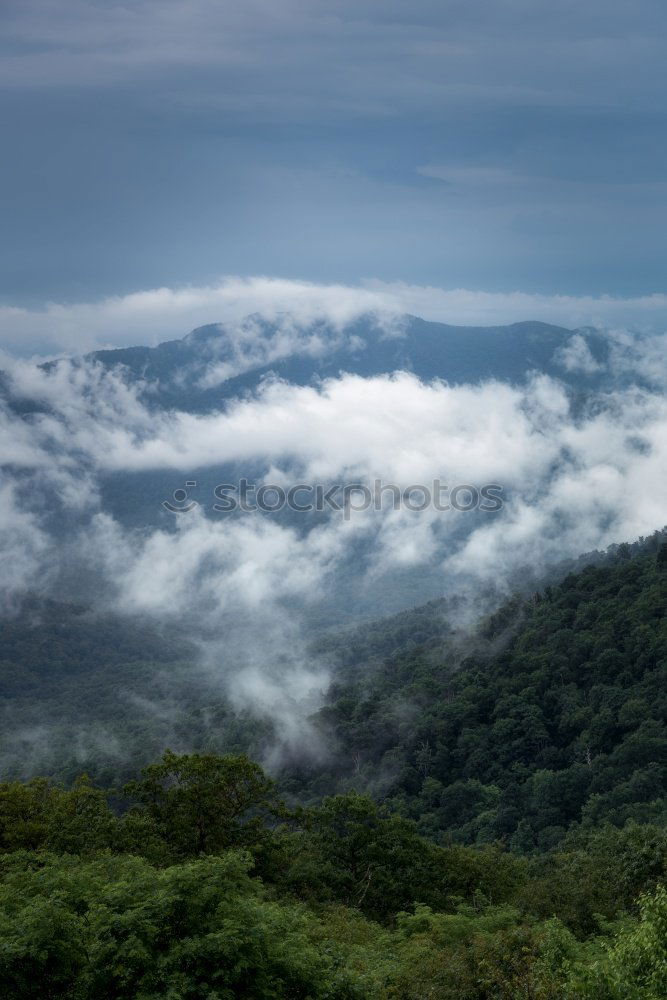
[(514, 848)]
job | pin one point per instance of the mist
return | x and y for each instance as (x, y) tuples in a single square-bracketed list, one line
[(250, 591)]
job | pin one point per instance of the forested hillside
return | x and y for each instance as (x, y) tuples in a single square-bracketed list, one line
[(196, 881), (488, 822), (105, 693), (552, 713)]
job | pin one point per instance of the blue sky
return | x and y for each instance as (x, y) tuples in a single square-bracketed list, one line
[(500, 146)]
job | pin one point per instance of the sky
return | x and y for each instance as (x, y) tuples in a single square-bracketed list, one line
[(499, 148)]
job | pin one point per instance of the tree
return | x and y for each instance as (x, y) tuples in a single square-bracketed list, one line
[(37, 814), (635, 964), (201, 803), (118, 928)]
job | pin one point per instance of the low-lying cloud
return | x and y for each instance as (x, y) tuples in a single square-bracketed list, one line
[(576, 476), (160, 314), (591, 475)]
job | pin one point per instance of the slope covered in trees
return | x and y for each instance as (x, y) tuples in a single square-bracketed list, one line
[(195, 880), (514, 844), (551, 714), (105, 693)]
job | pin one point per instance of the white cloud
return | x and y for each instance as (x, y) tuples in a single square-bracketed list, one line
[(164, 313), (26, 549), (577, 356), (249, 344), (393, 425), (574, 479), (160, 314)]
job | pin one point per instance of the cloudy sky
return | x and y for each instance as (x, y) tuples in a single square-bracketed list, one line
[(173, 163), (499, 147)]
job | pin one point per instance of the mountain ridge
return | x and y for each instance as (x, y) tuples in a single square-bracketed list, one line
[(303, 353)]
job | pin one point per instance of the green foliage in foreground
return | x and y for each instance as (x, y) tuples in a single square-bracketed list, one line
[(197, 883), (119, 927)]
